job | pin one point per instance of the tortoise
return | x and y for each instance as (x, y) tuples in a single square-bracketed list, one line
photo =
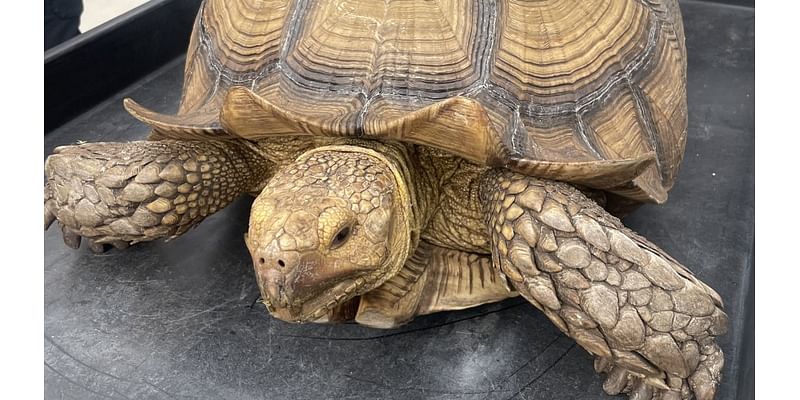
[(411, 157)]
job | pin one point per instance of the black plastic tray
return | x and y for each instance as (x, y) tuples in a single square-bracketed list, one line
[(177, 320)]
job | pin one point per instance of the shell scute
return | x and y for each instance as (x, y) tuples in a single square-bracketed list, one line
[(601, 103)]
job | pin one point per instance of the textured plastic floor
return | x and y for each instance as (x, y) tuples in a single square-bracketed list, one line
[(176, 320)]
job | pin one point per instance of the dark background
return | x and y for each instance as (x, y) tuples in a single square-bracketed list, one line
[(743, 3)]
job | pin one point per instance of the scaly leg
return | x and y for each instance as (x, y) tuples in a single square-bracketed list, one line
[(649, 321), (124, 193)]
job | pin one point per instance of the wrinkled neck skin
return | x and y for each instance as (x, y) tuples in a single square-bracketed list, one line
[(311, 224)]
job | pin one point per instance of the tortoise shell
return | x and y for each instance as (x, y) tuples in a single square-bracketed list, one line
[(589, 92)]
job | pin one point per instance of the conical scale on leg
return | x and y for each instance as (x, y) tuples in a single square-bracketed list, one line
[(626, 248), (166, 189), (554, 216), (517, 186), (546, 262), (613, 278), (173, 172), (693, 301), (542, 289), (136, 192), (159, 205), (573, 253), (547, 240), (572, 279), (635, 363), (170, 219), (661, 301), (577, 317), (662, 274), (86, 214), (592, 341), (589, 230), (520, 255), (600, 302), (596, 271), (556, 319), (525, 228), (691, 353), (510, 270), (144, 218), (661, 350), (532, 199), (126, 196), (632, 280), (640, 297), (149, 174), (123, 227)]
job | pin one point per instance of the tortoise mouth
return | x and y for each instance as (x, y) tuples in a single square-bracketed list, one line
[(320, 305)]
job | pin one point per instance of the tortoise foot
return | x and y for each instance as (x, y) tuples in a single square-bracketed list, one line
[(71, 235), (620, 380), (620, 297), (118, 194), (701, 384)]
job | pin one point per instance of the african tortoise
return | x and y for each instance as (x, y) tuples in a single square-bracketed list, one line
[(418, 156)]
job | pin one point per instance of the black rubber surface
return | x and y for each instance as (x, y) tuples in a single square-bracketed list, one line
[(176, 320), (741, 3), (105, 59)]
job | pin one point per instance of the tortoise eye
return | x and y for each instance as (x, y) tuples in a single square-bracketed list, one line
[(340, 237)]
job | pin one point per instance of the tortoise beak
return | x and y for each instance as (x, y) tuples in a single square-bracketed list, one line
[(297, 286)]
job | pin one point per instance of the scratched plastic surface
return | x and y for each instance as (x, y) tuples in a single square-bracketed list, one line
[(176, 320)]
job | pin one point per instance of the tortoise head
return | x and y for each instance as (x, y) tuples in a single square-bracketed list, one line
[(329, 227)]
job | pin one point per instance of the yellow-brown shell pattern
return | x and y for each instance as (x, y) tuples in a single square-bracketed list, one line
[(543, 85)]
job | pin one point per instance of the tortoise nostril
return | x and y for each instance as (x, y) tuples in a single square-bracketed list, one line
[(261, 261), (281, 263)]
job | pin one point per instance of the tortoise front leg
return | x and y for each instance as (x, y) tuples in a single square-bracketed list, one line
[(124, 193), (649, 321)]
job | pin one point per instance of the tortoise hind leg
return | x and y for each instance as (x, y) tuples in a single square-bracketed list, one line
[(124, 193), (649, 321)]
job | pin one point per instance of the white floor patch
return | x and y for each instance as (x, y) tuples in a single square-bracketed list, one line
[(96, 12)]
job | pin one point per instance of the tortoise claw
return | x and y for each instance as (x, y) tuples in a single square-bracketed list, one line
[(641, 391), (71, 239), (657, 383), (120, 244), (616, 381), (602, 365), (49, 217), (50, 207), (620, 380), (98, 248)]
